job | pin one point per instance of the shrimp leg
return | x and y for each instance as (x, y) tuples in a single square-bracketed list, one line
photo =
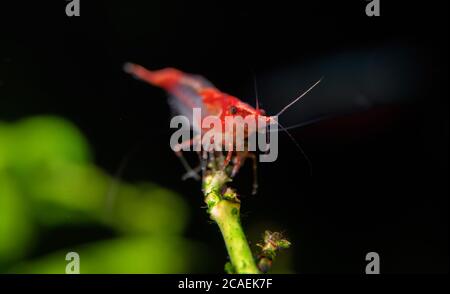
[(239, 161), (229, 155), (255, 172), (190, 173)]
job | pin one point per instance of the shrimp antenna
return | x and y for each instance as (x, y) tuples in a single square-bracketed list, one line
[(306, 123), (115, 181), (298, 98), (256, 91), (297, 145)]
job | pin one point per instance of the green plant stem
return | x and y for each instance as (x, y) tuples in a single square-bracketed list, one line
[(226, 215), (224, 209)]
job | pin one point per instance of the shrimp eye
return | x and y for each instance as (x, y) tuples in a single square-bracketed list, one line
[(233, 109)]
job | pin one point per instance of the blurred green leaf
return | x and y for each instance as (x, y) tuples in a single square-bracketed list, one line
[(45, 139), (69, 193), (130, 255), (47, 181), (149, 208), (15, 225), (5, 145)]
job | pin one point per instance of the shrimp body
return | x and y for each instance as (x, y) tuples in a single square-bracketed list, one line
[(187, 91)]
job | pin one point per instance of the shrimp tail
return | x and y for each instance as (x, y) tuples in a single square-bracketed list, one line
[(185, 90), (166, 78)]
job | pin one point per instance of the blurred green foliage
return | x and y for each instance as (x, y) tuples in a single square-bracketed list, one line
[(123, 255), (47, 180)]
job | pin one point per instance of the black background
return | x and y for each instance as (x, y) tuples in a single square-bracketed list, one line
[(377, 185)]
